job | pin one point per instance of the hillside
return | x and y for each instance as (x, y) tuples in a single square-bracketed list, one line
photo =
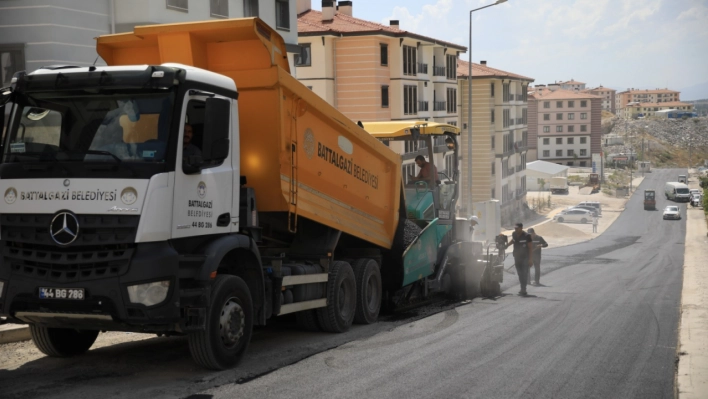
[(667, 142)]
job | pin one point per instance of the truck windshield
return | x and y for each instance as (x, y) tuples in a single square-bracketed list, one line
[(103, 127)]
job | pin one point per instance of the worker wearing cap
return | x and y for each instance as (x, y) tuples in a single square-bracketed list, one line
[(474, 221), (523, 246), (538, 243)]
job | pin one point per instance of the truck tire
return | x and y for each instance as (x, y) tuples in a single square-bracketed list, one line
[(62, 342), (229, 325), (307, 320), (338, 315), (368, 291)]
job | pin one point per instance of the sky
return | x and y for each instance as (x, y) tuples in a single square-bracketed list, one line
[(614, 43)]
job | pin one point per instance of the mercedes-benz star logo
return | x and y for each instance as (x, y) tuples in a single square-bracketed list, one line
[(64, 228)]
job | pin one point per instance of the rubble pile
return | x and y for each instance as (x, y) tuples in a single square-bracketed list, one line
[(679, 133)]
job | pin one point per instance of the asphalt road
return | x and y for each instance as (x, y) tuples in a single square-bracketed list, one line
[(603, 326)]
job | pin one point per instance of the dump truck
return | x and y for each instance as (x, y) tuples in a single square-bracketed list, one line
[(194, 187), (649, 200), (559, 185)]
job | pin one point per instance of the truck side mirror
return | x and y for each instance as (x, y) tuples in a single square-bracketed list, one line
[(217, 123)]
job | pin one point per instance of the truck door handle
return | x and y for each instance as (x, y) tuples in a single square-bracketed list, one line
[(223, 220)]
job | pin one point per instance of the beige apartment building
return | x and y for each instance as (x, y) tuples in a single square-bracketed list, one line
[(636, 110), (656, 96), (565, 127), (608, 97), (373, 72), (499, 135), (572, 85)]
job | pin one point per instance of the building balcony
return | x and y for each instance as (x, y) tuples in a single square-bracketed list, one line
[(440, 106), (422, 68), (423, 106), (439, 71)]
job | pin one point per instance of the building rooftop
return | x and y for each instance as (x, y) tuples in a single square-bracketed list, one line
[(647, 91), (599, 88), (310, 23), (546, 94), (573, 82), (546, 167), (483, 71), (664, 104)]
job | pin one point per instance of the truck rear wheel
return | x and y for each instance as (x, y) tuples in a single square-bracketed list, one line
[(62, 342), (368, 291), (229, 325), (338, 315), (307, 320)]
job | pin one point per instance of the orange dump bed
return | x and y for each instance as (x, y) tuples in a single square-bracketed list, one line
[(298, 152)]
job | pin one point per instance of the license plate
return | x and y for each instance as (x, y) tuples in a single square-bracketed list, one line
[(61, 293)]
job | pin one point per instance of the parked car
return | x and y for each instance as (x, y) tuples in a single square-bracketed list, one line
[(672, 212), (573, 215), (586, 207), (696, 200), (695, 191), (593, 204)]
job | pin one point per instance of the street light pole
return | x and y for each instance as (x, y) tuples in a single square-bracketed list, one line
[(469, 113)]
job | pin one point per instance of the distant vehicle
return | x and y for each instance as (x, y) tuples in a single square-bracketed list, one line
[(676, 191), (593, 204), (683, 179), (573, 215), (649, 200), (594, 182), (585, 207), (559, 185), (696, 199), (672, 212), (695, 191)]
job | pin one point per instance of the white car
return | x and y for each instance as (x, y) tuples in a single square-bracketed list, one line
[(695, 191), (672, 212), (573, 215)]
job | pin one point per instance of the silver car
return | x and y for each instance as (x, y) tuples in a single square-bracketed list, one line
[(575, 215), (672, 212)]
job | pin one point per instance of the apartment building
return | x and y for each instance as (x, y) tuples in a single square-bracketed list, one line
[(564, 126), (636, 110), (374, 72), (608, 97), (572, 85), (499, 135), (36, 33), (623, 98)]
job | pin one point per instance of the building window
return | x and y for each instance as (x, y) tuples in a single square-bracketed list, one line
[(559, 104), (178, 5), (571, 116), (583, 152), (546, 117), (570, 163), (583, 163), (304, 58), (384, 54), (583, 140), (524, 116), (559, 153), (559, 129), (559, 117), (546, 129), (12, 59), (506, 92), (571, 153), (546, 141), (583, 115), (384, 96), (492, 89), (546, 153), (451, 70), (559, 140), (571, 104), (409, 60), (493, 141), (571, 140), (583, 104), (571, 129), (451, 100), (583, 128), (494, 169), (219, 8), (282, 14), (546, 104), (492, 116), (250, 8), (410, 100)]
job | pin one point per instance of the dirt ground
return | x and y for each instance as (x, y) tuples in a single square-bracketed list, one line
[(561, 234)]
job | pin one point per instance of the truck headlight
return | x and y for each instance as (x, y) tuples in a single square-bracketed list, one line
[(149, 294)]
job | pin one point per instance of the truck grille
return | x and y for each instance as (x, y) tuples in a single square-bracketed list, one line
[(103, 248)]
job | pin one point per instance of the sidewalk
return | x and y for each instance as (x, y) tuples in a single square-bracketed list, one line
[(692, 374), (13, 333)]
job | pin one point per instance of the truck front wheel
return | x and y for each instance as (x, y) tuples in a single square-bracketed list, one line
[(62, 342), (229, 325), (341, 299), (368, 291)]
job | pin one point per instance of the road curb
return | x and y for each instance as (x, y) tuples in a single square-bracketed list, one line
[(14, 333)]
